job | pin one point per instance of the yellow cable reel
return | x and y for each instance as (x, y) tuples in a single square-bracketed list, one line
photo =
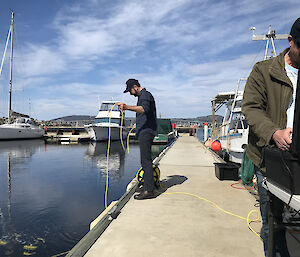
[(156, 175)]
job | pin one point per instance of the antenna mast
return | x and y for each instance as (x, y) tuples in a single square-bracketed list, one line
[(270, 36), (11, 65)]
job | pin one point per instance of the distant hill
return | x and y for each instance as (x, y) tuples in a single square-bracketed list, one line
[(73, 118), (208, 118)]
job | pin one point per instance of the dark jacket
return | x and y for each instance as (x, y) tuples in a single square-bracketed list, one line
[(146, 122), (268, 93)]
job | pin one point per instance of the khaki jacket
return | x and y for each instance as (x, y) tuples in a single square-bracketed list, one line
[(267, 95)]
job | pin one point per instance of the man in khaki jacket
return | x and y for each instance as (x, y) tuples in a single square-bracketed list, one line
[(268, 106)]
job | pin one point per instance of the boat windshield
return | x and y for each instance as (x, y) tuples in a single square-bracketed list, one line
[(238, 121), (238, 104), (20, 120), (106, 120), (108, 106)]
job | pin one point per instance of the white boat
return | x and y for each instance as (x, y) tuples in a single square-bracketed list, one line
[(22, 127), (105, 119), (233, 132)]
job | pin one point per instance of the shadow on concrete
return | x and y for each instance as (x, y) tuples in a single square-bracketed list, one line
[(170, 181)]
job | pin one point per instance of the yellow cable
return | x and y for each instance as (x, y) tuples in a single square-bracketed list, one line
[(248, 223), (221, 209), (128, 139), (121, 134), (107, 155), (108, 147)]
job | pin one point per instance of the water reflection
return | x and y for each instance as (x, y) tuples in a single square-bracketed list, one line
[(16, 152), (49, 193), (97, 153), (20, 150)]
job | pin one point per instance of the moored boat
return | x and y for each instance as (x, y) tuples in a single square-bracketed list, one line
[(20, 126), (165, 132), (233, 132), (109, 116)]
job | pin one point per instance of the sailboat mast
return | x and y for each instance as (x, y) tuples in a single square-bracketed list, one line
[(11, 64)]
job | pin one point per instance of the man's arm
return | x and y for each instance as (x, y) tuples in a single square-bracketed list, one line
[(254, 107), (134, 108)]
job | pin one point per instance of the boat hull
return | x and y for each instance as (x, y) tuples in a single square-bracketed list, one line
[(234, 145), (101, 133), (11, 133)]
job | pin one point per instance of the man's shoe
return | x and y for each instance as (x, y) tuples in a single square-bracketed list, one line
[(139, 189), (144, 195)]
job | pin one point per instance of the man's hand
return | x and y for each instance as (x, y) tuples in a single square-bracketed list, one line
[(282, 138), (122, 106)]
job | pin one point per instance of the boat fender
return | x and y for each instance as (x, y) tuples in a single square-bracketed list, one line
[(216, 146)]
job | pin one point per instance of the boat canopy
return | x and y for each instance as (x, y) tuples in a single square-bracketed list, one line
[(224, 97)]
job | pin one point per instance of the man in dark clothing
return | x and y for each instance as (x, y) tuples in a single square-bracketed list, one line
[(146, 130)]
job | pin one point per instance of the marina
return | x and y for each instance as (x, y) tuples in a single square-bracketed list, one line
[(122, 131)]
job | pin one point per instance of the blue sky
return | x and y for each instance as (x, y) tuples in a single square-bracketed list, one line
[(71, 55)]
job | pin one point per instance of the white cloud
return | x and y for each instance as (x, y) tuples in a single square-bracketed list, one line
[(183, 51)]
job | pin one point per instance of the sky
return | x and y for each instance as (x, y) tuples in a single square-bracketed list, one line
[(70, 55)]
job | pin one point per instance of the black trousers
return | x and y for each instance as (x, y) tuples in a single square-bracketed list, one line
[(145, 142)]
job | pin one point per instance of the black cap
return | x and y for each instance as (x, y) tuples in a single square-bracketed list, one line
[(130, 83), (295, 32)]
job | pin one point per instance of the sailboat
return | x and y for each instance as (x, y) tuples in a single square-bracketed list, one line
[(233, 132), (19, 126)]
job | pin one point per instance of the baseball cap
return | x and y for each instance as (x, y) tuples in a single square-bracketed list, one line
[(130, 83), (295, 32)]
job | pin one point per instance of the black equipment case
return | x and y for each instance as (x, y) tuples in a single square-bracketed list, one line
[(283, 167), (227, 171)]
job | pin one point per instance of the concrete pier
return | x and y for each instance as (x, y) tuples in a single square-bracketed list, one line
[(176, 222)]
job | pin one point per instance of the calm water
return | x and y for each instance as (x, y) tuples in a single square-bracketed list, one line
[(49, 193)]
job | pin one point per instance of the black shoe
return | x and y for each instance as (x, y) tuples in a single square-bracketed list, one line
[(144, 195), (139, 189)]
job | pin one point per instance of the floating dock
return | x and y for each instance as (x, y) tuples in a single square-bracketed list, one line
[(180, 221)]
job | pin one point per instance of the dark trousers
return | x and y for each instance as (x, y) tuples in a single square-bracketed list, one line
[(265, 200), (145, 142)]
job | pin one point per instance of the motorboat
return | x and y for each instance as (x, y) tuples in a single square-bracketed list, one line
[(108, 123)]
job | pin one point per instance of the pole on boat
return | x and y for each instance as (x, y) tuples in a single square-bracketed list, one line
[(270, 36), (213, 122), (11, 65)]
